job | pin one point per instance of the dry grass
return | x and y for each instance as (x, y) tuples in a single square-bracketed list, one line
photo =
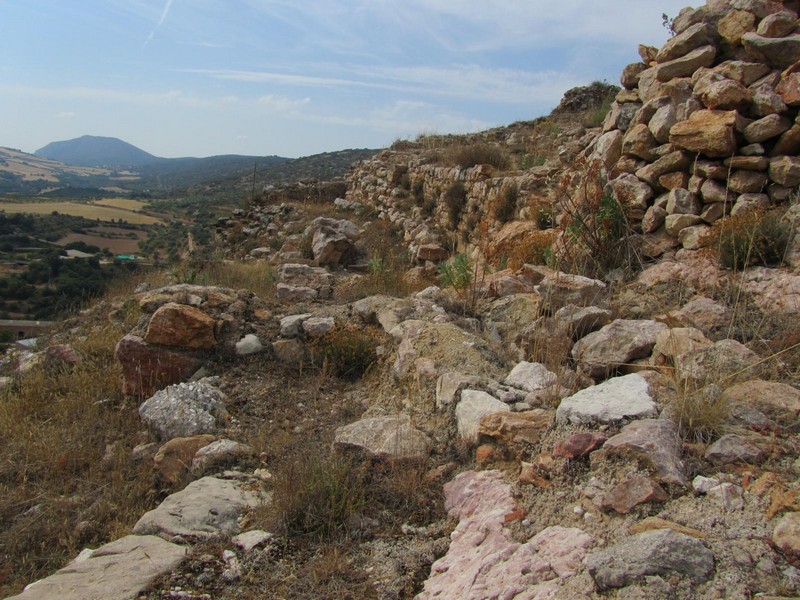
[(479, 153), (122, 203), (256, 276), (66, 481)]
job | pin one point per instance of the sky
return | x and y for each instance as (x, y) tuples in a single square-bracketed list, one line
[(299, 77)]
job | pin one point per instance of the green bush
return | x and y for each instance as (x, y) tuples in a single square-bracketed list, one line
[(455, 200), (753, 238)]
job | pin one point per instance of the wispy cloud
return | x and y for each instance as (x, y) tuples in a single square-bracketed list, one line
[(282, 104), (162, 18), (66, 115)]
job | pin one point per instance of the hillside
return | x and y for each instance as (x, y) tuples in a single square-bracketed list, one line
[(97, 151), (558, 359)]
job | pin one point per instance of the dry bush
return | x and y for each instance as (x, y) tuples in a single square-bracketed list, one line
[(66, 480), (535, 249), (346, 352), (752, 238), (256, 276), (702, 415), (455, 200), (479, 153), (506, 207)]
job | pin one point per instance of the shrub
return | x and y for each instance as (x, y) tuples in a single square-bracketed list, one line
[(460, 274), (702, 415), (455, 200), (418, 191), (752, 238), (346, 352), (506, 207), (535, 249), (315, 496), (480, 153)]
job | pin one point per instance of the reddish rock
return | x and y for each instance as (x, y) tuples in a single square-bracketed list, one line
[(735, 24), (632, 492), (432, 252), (147, 369), (484, 453), (726, 95), (789, 86), (578, 445), (181, 325), (630, 75)]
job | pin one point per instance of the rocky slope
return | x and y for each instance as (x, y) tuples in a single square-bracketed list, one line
[(524, 433)]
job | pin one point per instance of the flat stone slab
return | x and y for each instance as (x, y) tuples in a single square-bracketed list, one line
[(614, 400), (116, 571), (204, 508), (394, 437)]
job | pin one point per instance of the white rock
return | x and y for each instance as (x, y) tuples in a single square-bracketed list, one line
[(473, 407), (618, 398), (531, 377), (249, 344)]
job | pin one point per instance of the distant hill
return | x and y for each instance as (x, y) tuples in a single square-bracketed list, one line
[(97, 151)]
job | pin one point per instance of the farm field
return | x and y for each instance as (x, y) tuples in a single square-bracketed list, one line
[(123, 203), (118, 241), (79, 209)]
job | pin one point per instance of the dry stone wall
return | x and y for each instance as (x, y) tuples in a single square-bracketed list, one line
[(707, 125)]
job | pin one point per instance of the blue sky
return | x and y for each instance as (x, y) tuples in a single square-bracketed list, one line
[(298, 77)]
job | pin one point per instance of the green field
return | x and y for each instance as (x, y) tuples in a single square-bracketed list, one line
[(81, 209)]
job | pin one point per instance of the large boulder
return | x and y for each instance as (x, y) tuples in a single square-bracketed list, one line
[(185, 410), (332, 240), (181, 325), (475, 405), (779, 401), (121, 569), (615, 345), (147, 368), (207, 507), (779, 52), (560, 289)]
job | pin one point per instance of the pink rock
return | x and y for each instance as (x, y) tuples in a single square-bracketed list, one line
[(484, 561)]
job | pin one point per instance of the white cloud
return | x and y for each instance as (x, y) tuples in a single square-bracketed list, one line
[(66, 115), (161, 19), (282, 104)]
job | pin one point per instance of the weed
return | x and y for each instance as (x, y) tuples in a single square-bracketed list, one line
[(528, 161), (306, 247), (461, 275), (595, 116), (506, 207), (346, 352), (418, 191), (455, 200), (752, 238), (702, 415)]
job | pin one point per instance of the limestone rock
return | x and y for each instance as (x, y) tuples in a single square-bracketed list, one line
[(475, 405), (292, 325), (331, 240), (778, 401), (778, 52), (708, 132), (184, 410), (685, 65), (630, 191), (392, 437), (560, 289), (174, 459), (289, 352), (579, 321), (147, 368), (785, 170), (662, 121), (120, 570), (249, 344), (632, 492), (726, 359), (694, 237), (726, 95), (449, 386), (661, 552), (777, 25), (207, 507), (732, 448), (181, 325), (516, 428), (767, 127), (700, 34), (615, 345), (682, 201), (614, 400), (674, 161), (786, 534), (431, 252), (315, 327), (219, 452), (630, 75), (652, 441), (531, 377), (676, 341), (293, 276), (735, 24)]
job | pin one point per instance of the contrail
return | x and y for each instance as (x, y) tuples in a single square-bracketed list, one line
[(164, 13)]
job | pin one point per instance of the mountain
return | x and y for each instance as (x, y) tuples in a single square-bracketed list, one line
[(97, 151)]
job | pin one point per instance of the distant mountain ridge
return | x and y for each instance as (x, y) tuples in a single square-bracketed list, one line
[(97, 151)]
